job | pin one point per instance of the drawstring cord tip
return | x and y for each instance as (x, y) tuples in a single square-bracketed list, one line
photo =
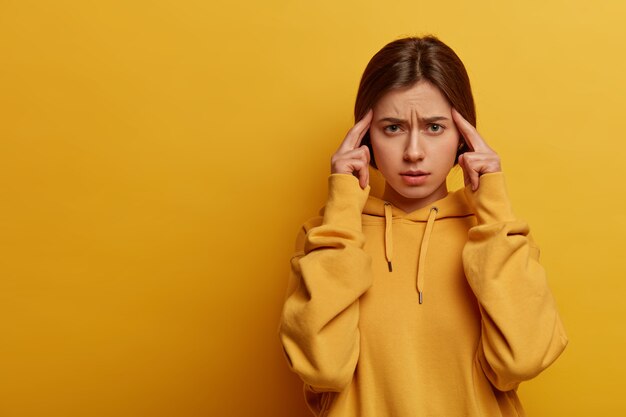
[(389, 266), (421, 297)]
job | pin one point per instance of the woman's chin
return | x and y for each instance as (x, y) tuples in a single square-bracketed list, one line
[(402, 195)]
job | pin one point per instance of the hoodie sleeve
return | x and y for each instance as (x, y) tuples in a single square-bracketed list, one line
[(522, 333), (329, 272)]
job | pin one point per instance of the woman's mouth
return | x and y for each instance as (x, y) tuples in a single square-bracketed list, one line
[(414, 177)]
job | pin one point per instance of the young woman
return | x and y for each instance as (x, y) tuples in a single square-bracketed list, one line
[(425, 302)]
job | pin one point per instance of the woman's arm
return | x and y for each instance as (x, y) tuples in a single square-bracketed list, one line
[(330, 271), (522, 333)]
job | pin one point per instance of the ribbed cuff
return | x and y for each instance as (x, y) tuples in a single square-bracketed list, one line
[(490, 202), (346, 200)]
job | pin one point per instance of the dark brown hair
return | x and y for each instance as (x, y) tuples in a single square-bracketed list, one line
[(404, 62)]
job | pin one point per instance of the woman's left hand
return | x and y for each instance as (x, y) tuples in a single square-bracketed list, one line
[(481, 159)]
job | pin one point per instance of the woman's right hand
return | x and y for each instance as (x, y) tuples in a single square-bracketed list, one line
[(351, 157)]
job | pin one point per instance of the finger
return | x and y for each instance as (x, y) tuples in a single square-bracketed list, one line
[(358, 168), (483, 163), (366, 170), (463, 165), (340, 162), (366, 150), (471, 173), (469, 132), (356, 133), (362, 152), (362, 134), (471, 177), (364, 177), (367, 121), (476, 164)]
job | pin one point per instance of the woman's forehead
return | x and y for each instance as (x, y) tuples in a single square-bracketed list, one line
[(423, 98)]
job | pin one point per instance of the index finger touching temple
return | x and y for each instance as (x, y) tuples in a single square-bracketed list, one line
[(469, 132), (354, 136)]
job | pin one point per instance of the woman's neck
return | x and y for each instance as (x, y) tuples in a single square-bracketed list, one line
[(408, 204)]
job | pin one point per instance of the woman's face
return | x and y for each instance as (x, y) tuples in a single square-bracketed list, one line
[(415, 141)]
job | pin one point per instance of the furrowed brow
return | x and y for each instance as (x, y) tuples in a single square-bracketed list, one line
[(432, 119), (393, 120)]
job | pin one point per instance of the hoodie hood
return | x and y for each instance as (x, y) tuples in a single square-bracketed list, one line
[(453, 205)]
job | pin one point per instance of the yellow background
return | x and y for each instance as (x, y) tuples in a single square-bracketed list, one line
[(158, 157)]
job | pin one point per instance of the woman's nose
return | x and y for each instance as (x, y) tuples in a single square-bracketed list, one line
[(413, 150)]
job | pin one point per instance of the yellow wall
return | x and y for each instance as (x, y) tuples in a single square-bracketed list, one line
[(157, 158)]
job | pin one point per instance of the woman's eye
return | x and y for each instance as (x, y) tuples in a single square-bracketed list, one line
[(392, 128), (435, 128)]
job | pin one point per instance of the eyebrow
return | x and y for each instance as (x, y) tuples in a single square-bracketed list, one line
[(423, 120)]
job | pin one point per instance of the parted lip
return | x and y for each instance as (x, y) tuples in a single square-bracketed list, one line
[(414, 173)]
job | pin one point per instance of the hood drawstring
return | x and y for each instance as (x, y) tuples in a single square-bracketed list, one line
[(421, 265), (421, 260), (388, 240)]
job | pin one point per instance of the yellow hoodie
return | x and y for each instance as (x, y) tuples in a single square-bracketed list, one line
[(438, 312)]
